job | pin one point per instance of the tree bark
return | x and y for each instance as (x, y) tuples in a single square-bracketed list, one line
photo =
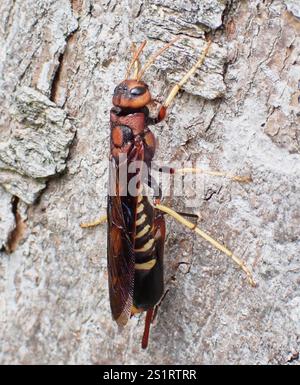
[(60, 61)]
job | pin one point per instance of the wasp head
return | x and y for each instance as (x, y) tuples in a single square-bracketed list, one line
[(131, 94)]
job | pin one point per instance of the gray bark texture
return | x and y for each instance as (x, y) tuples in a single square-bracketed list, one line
[(59, 63)]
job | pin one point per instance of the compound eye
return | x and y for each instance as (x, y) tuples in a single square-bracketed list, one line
[(120, 88), (137, 91)]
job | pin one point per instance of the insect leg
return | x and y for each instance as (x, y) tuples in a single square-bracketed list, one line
[(192, 170), (97, 222), (174, 91), (165, 169), (236, 178), (188, 215), (208, 238)]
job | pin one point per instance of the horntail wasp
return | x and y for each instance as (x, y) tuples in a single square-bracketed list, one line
[(136, 228)]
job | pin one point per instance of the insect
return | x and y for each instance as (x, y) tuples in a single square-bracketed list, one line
[(136, 226)]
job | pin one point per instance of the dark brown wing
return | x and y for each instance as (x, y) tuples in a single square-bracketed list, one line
[(120, 252)]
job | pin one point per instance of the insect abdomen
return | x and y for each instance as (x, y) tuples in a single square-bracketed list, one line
[(144, 237), (148, 281)]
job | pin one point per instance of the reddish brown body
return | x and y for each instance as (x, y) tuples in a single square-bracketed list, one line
[(136, 230)]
